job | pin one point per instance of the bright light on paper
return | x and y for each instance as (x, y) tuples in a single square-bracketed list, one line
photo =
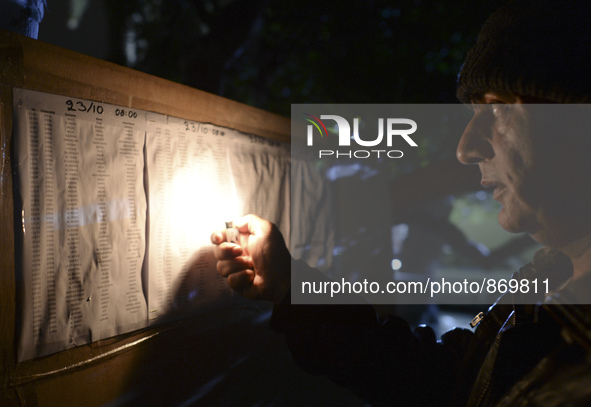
[(200, 206)]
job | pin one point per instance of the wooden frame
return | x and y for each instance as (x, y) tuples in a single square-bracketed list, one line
[(30, 64)]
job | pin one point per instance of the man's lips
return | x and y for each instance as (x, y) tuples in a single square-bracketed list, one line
[(498, 187), (488, 183)]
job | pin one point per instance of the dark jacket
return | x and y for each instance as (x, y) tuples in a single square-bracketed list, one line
[(519, 355)]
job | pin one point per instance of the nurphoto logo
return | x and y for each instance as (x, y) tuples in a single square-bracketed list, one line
[(390, 127)]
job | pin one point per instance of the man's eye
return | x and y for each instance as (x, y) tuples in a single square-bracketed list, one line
[(497, 109)]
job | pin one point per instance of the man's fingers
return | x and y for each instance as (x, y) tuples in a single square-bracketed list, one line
[(249, 224), (218, 237), (243, 223), (235, 265), (241, 280), (227, 251)]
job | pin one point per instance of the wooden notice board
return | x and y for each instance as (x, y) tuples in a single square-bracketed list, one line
[(185, 360)]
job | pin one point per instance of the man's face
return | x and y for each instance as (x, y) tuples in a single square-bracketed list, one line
[(534, 172)]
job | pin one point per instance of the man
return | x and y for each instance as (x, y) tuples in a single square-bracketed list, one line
[(528, 52)]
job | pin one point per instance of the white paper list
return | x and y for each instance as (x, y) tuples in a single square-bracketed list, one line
[(117, 207), (80, 177)]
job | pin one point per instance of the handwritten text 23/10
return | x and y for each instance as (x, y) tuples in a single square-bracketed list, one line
[(87, 107)]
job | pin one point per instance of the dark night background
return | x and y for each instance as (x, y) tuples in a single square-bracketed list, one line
[(270, 54)]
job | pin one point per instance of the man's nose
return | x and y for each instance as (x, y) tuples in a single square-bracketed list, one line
[(475, 145)]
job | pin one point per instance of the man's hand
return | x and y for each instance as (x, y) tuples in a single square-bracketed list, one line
[(259, 268)]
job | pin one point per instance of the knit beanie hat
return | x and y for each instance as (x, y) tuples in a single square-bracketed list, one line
[(538, 48)]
